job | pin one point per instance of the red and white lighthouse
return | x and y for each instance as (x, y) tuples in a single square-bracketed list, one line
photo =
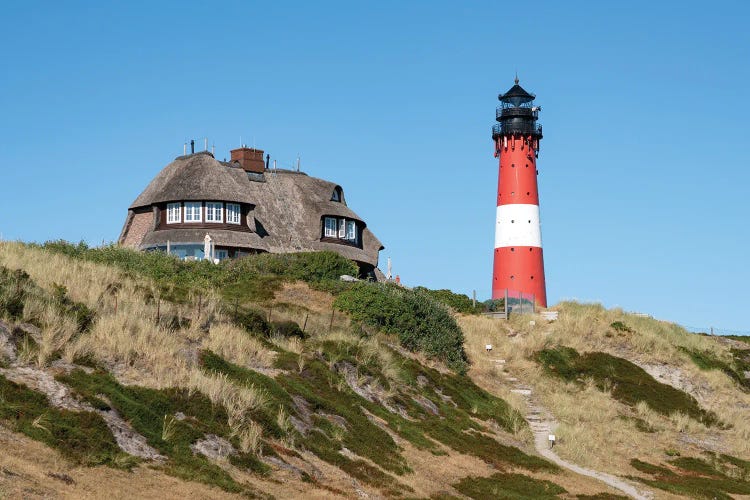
[(519, 264)]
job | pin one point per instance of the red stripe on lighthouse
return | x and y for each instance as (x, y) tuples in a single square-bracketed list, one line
[(519, 269)]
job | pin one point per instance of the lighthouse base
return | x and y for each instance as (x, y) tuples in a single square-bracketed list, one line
[(520, 271)]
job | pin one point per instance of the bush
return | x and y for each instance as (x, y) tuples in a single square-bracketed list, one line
[(13, 286), (627, 382), (421, 323), (457, 301), (287, 329)]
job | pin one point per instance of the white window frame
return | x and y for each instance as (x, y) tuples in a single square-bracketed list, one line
[(190, 207), (351, 231), (330, 225), (342, 229), (234, 214), (211, 211), (174, 213)]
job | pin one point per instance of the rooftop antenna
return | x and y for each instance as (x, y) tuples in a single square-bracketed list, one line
[(184, 149), (516, 77), (213, 146), (192, 146), (298, 161), (205, 144)]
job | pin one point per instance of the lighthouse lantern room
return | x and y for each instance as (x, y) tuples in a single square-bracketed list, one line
[(519, 264)]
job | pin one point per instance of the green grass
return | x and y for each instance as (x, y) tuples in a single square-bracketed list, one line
[(627, 382), (508, 487), (697, 478), (82, 437)]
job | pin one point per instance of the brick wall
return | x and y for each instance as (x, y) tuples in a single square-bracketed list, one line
[(140, 224)]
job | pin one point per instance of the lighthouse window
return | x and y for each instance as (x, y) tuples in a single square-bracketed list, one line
[(174, 213), (512, 221)]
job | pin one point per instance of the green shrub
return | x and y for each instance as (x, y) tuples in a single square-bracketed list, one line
[(695, 477), (508, 487), (458, 302), (629, 383), (287, 329), (421, 323), (13, 285), (82, 437)]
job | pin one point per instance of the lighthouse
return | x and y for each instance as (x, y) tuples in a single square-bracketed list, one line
[(518, 269)]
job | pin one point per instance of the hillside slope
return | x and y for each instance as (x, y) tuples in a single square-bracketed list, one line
[(137, 375)]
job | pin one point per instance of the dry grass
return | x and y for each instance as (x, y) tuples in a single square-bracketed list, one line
[(234, 344), (127, 338), (595, 430)]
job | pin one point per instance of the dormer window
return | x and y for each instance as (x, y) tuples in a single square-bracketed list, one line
[(337, 195), (330, 227), (193, 211), (174, 213), (214, 211), (233, 213), (341, 229)]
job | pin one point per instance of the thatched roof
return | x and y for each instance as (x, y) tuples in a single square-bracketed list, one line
[(288, 207), (196, 177)]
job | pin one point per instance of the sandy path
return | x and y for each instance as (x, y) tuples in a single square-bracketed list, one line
[(543, 424)]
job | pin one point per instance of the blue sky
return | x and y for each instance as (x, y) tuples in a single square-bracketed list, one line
[(643, 168)]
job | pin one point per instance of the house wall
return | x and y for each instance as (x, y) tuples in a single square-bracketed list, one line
[(142, 223)]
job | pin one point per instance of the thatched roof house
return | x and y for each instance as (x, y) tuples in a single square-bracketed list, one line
[(244, 207)]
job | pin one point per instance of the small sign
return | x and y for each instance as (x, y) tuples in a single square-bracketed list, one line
[(488, 347), (551, 437)]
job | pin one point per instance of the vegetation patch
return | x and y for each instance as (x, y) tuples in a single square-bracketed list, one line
[(508, 487), (627, 382), (253, 277), (420, 322), (459, 302), (719, 477), (152, 413), (734, 369), (82, 437)]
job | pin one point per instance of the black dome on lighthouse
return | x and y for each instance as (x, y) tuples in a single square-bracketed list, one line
[(516, 95)]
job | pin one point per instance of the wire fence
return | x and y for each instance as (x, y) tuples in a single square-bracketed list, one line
[(712, 330)]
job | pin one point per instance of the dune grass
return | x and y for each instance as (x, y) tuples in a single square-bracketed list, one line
[(627, 382)]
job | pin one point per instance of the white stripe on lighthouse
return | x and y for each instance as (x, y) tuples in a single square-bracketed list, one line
[(518, 225)]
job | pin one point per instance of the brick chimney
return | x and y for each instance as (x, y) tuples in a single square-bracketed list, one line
[(250, 159)]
